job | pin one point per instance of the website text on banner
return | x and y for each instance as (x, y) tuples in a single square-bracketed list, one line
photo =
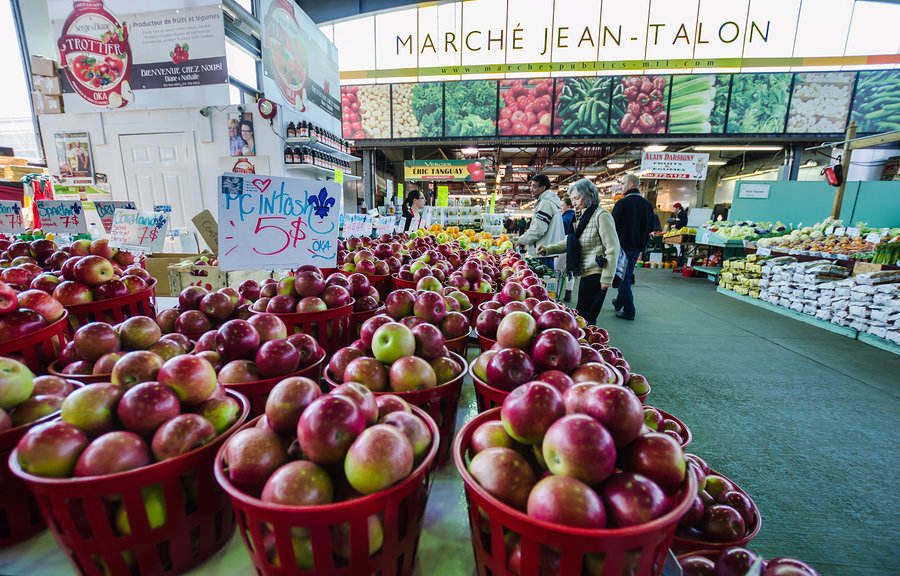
[(138, 231), (10, 217), (268, 222), (62, 216)]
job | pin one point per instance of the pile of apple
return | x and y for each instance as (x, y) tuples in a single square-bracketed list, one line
[(106, 428), (380, 260), (312, 449), (582, 458), (399, 356), (307, 291), (737, 561), (546, 312), (719, 512), (98, 348), (200, 310), (23, 313), (25, 398)]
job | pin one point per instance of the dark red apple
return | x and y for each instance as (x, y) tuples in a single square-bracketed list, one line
[(659, 457), (367, 371), (287, 401), (339, 361), (146, 406), (71, 293), (237, 339), (51, 449), (192, 323), (580, 447), (529, 410), (95, 339), (113, 452), (328, 427), (277, 358), (632, 499), (362, 397), (504, 474), (93, 270), (567, 501), (508, 369), (180, 435), (722, 523)]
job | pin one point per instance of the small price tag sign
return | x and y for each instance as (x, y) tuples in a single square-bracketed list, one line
[(106, 209), (704, 238), (10, 217), (270, 222), (852, 232), (829, 231), (138, 231), (873, 238), (763, 251), (62, 216), (839, 231), (339, 176), (384, 225)]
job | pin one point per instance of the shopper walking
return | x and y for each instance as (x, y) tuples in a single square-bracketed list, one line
[(633, 215), (546, 224), (413, 209), (591, 247), (568, 215)]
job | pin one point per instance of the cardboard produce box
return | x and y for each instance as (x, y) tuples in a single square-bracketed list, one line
[(42, 66), (158, 267), (186, 273)]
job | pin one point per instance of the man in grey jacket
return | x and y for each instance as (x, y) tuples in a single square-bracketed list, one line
[(547, 205)]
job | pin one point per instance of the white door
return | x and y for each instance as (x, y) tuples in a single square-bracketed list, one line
[(162, 169)]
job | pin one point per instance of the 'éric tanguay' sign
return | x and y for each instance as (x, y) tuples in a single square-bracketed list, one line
[(456, 170), (268, 222)]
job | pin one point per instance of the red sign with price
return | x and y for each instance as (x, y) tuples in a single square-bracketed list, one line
[(62, 216), (269, 222)]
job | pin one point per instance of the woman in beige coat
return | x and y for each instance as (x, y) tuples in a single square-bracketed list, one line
[(592, 249)]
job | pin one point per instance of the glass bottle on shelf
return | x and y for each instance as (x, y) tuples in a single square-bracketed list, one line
[(298, 155), (307, 156), (303, 131), (288, 155), (291, 130)]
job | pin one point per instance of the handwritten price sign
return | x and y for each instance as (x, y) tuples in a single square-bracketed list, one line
[(62, 216), (356, 225), (106, 209), (10, 217), (272, 222), (385, 225), (138, 231)]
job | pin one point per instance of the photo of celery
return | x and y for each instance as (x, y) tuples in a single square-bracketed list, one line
[(876, 105), (698, 104)]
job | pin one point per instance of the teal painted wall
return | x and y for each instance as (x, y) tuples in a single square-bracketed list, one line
[(876, 203)]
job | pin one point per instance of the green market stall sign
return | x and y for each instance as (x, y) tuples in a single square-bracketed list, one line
[(444, 170)]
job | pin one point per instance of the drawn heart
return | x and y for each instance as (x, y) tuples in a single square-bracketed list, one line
[(261, 185)]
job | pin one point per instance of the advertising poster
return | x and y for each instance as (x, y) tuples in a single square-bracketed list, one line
[(300, 64), (582, 106), (759, 103), (820, 102), (525, 107), (418, 110), (638, 105), (367, 111), (119, 54), (876, 104), (73, 153), (272, 222), (699, 103), (471, 108), (241, 141), (674, 165)]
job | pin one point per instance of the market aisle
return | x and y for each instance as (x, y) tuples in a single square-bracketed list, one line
[(804, 420)]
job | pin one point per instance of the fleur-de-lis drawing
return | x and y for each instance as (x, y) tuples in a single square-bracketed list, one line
[(76, 208), (322, 203), (15, 209)]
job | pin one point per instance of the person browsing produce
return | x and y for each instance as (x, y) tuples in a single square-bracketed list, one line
[(680, 215), (591, 247), (568, 215), (546, 225), (634, 219), (413, 208)]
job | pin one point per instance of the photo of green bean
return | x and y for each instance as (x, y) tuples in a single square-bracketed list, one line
[(876, 105), (582, 106)]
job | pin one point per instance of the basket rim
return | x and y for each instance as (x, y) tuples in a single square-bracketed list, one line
[(707, 545), (690, 435), (424, 467), (87, 480), (332, 383), (471, 484), (330, 312), (278, 378), (149, 290), (481, 337), (40, 332), (481, 383)]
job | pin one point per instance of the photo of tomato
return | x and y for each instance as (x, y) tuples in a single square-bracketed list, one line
[(525, 107), (639, 105)]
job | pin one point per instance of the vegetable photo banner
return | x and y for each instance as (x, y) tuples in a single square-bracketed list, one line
[(116, 54), (268, 222)]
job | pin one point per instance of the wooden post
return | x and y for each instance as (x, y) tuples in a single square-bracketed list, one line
[(845, 165)]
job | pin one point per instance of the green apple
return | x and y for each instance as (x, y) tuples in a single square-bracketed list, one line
[(154, 505), (17, 382), (392, 341)]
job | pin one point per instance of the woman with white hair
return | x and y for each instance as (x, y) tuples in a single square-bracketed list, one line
[(592, 249)]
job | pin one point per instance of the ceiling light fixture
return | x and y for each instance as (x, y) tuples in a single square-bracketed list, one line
[(655, 148), (615, 165), (760, 148), (717, 163), (469, 151)]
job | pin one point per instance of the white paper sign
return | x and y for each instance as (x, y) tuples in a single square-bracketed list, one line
[(873, 238), (62, 216), (763, 251), (853, 232), (751, 190), (269, 222), (656, 257), (10, 217), (384, 225), (139, 231), (674, 165), (356, 225), (106, 209), (839, 231)]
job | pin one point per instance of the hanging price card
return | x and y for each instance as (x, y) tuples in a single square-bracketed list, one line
[(853, 232), (61, 216), (873, 238), (138, 231), (10, 217), (384, 225), (763, 251), (268, 222), (106, 209)]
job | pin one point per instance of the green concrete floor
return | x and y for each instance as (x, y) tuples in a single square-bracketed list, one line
[(802, 419)]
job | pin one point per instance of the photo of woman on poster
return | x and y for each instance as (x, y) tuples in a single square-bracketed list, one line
[(240, 135)]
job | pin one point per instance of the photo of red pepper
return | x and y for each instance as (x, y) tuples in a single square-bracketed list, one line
[(525, 107), (639, 105)]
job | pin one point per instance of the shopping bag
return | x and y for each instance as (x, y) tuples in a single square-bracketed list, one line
[(621, 265)]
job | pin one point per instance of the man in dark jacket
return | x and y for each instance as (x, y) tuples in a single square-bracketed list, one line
[(634, 221), (680, 216)]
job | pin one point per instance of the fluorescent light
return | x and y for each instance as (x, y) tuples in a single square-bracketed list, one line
[(750, 175), (606, 184), (468, 151), (614, 165), (761, 148), (655, 148), (717, 163)]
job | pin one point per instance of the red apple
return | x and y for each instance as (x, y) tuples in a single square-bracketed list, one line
[(487, 323), (516, 330), (70, 293), (632, 499), (430, 307), (429, 341), (277, 358), (192, 323), (192, 379), (102, 248), (367, 371), (491, 434), (388, 403), (529, 410), (616, 408), (659, 457), (239, 372), (95, 339), (341, 359), (252, 455), (147, 406), (269, 327), (380, 457), (567, 501), (336, 296), (287, 401), (504, 474), (508, 368), (249, 289), (599, 372), (556, 349), (190, 297), (237, 339), (411, 373), (93, 270), (328, 427), (180, 435), (139, 333), (8, 298), (113, 452), (92, 407), (362, 397), (399, 304), (216, 305), (113, 288), (578, 446), (42, 303)]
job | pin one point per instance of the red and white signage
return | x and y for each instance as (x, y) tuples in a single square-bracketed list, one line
[(674, 165)]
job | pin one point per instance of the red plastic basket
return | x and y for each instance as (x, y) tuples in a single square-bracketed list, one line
[(38, 349), (382, 283), (20, 517), (114, 310), (266, 528), (83, 378), (458, 345), (687, 436), (330, 328), (487, 396), (440, 402), (357, 319), (491, 521), (399, 282), (78, 512), (476, 298), (484, 343), (681, 544), (471, 313), (258, 392)]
